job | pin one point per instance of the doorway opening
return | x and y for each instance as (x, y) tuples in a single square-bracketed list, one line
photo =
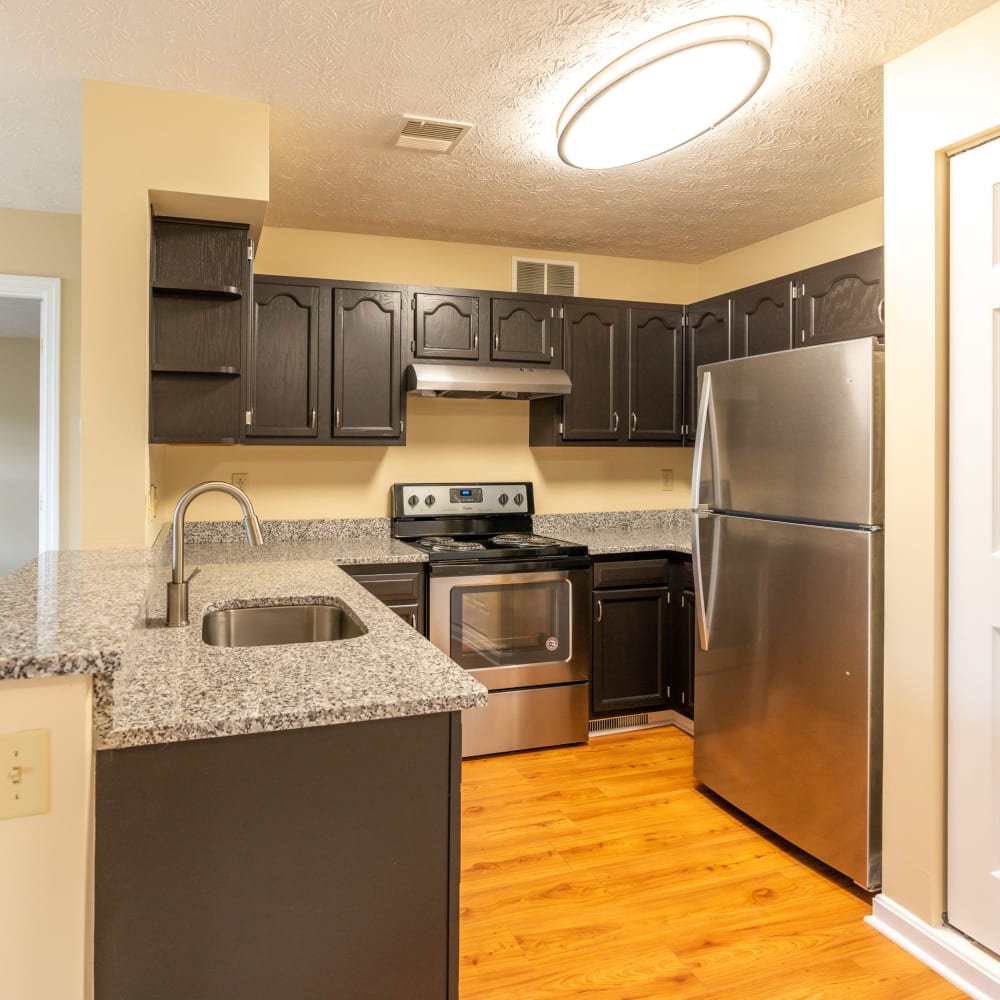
[(30, 307)]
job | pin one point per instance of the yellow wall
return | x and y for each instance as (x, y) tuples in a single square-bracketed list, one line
[(135, 140), (936, 97), (44, 908), (447, 439), (840, 235), (47, 244), (316, 254)]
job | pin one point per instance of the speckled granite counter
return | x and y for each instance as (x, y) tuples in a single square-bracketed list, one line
[(101, 613), (172, 686), (621, 531)]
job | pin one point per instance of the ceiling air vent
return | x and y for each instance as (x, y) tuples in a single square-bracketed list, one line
[(547, 277), (431, 134)]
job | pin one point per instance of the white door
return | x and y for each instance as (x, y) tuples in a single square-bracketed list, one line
[(973, 888)]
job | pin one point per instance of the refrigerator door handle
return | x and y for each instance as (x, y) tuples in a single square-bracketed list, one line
[(706, 426), (699, 577)]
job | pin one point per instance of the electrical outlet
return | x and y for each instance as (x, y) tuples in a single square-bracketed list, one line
[(241, 480), (666, 479), (25, 774)]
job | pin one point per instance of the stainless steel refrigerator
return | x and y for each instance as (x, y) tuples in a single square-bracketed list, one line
[(787, 539)]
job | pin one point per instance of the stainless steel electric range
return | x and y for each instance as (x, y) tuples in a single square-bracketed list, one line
[(511, 607)]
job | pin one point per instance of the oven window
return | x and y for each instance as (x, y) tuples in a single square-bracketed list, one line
[(510, 624)]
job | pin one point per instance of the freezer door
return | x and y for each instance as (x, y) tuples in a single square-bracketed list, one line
[(798, 434), (789, 688)]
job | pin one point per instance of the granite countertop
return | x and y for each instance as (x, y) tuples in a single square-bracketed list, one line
[(101, 613), (172, 686), (621, 531)]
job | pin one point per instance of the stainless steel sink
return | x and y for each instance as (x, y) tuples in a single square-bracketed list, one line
[(278, 624)]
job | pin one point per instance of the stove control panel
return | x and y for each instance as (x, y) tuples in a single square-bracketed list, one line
[(457, 499)]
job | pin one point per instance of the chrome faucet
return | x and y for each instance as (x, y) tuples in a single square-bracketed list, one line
[(177, 589)]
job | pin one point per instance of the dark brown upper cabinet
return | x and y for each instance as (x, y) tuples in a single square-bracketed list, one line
[(762, 318), (842, 300), (523, 328), (199, 275), (367, 388), (626, 363), (708, 333), (594, 349), (446, 326), (656, 374), (283, 354)]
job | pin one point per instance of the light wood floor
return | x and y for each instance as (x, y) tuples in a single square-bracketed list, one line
[(601, 871)]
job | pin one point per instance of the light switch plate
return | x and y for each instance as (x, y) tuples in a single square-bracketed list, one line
[(25, 774)]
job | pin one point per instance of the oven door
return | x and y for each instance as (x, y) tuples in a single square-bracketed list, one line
[(513, 628)]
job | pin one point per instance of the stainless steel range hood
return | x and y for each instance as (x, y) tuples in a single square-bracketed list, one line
[(485, 381)]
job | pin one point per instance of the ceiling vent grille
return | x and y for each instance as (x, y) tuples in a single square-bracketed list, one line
[(431, 135), (546, 277)]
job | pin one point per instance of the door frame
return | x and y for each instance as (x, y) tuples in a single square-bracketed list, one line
[(47, 292)]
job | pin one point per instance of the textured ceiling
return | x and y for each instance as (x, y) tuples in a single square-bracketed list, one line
[(338, 74)]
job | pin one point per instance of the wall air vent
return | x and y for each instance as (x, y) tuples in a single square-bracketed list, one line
[(432, 135), (546, 277)]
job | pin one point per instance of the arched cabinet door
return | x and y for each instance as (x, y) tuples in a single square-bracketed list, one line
[(446, 326), (283, 361), (656, 374), (762, 318), (842, 300), (595, 362), (366, 357), (523, 328)]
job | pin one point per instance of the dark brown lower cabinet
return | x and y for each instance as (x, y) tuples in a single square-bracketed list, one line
[(644, 639), (400, 588), (632, 634), (310, 863)]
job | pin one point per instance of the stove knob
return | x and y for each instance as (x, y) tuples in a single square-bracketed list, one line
[(413, 499), (429, 499), (519, 498), (502, 499)]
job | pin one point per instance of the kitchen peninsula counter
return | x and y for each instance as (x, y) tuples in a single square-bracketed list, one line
[(101, 613)]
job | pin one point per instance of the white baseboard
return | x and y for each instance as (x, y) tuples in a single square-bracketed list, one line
[(950, 954)]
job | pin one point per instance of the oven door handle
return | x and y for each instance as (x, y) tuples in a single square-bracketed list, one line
[(440, 569)]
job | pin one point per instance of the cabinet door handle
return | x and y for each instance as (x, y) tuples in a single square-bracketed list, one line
[(600, 611), (881, 311), (312, 422), (412, 619), (614, 429), (635, 421), (496, 342), (475, 341), (336, 417)]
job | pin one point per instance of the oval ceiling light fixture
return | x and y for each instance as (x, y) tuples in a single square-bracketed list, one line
[(665, 92)]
